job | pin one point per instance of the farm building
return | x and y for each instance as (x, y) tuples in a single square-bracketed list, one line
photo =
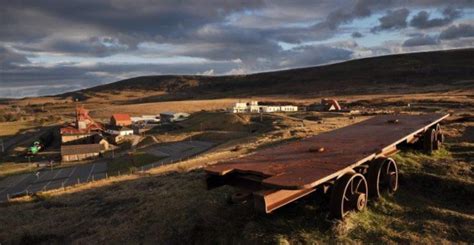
[(168, 117), (326, 105), (80, 152), (254, 107), (242, 107), (146, 118), (83, 138), (83, 128), (84, 122), (120, 120), (287, 108), (70, 134), (119, 130)]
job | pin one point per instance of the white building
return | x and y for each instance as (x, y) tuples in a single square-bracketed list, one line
[(254, 107), (287, 108), (118, 130), (146, 118), (240, 107), (269, 109)]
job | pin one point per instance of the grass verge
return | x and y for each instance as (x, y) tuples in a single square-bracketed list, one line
[(130, 162)]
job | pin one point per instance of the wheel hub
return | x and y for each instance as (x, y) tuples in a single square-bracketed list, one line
[(360, 200)]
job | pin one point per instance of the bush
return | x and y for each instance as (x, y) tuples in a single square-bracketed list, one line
[(8, 117)]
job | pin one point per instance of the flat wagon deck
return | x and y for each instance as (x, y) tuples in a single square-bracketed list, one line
[(353, 157)]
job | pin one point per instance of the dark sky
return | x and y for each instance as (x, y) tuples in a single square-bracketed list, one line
[(49, 47)]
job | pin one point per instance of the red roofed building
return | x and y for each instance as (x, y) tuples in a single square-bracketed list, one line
[(120, 120), (84, 127)]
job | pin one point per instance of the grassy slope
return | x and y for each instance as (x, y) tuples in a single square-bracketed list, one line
[(363, 75), (131, 162), (433, 205)]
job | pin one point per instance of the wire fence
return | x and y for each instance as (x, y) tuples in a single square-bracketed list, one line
[(93, 177)]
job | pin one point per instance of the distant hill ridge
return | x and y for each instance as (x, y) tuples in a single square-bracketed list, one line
[(411, 69)]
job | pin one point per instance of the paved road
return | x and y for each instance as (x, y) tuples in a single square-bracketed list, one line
[(51, 179), (57, 178)]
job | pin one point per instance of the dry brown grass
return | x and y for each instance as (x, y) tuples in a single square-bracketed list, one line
[(170, 204), (12, 128)]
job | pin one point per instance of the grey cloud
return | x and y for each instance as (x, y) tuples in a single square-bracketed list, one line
[(457, 31), (420, 41), (96, 46), (362, 8), (393, 20), (142, 18), (9, 58), (35, 25), (322, 30), (219, 42), (422, 19), (357, 34)]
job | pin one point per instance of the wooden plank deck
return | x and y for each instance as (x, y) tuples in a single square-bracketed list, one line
[(298, 165)]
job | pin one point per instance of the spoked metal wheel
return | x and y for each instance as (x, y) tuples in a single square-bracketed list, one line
[(349, 194), (382, 176), (439, 137), (429, 140)]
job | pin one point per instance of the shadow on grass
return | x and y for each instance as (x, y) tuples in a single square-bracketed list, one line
[(176, 208)]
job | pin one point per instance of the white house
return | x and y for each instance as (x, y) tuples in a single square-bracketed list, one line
[(254, 107), (240, 107)]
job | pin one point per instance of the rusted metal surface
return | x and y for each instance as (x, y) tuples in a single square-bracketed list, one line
[(268, 200), (297, 165)]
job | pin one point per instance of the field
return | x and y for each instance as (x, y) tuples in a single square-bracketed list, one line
[(12, 128), (433, 205), (130, 162), (171, 205)]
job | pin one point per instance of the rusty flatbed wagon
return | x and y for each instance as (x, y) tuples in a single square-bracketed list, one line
[(351, 163)]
